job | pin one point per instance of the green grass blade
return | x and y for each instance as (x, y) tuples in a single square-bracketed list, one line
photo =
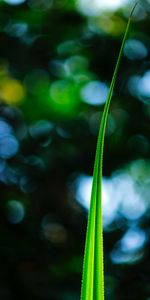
[(93, 273)]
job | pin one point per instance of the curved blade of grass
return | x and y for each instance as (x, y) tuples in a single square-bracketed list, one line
[(93, 269)]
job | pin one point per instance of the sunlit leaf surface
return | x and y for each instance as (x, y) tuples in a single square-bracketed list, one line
[(93, 268)]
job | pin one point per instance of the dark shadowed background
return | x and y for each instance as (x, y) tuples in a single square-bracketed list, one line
[(56, 62)]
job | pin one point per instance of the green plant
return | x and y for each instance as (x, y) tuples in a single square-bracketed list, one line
[(93, 269)]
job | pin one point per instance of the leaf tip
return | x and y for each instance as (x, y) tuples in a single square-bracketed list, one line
[(133, 9)]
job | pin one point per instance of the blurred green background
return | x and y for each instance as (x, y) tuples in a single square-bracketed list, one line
[(56, 62)]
